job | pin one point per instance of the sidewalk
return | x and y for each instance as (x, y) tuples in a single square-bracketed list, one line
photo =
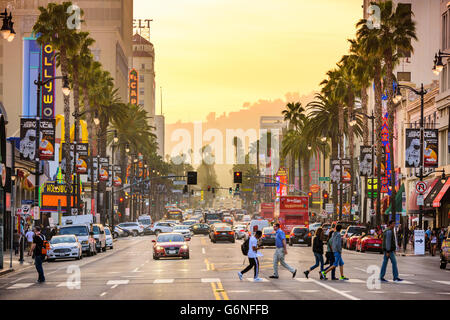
[(16, 265)]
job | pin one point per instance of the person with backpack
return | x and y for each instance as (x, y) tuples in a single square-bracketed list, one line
[(389, 247), (336, 246), (39, 249), (330, 259), (280, 252), (317, 247), (250, 249)]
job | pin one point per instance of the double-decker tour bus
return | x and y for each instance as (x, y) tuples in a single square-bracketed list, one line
[(292, 211), (266, 211)]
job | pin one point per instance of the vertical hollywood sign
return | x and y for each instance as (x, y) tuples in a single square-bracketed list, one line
[(48, 90), (133, 78)]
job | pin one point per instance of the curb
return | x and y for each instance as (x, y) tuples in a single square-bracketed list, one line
[(3, 272)]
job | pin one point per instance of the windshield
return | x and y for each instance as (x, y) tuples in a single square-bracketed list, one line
[(223, 229), (96, 229), (357, 230), (65, 239), (145, 221), (181, 228), (76, 230), (170, 238)]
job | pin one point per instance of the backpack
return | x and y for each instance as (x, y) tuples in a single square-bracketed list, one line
[(45, 246), (245, 247)]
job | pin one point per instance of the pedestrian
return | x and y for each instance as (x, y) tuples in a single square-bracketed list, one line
[(16, 239), (433, 243), (441, 238), (317, 247), (280, 253), (330, 259), (29, 235), (405, 238), (253, 257), (336, 246), (38, 256), (389, 247)]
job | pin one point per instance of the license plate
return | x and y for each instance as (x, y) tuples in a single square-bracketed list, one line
[(224, 233), (172, 251), (376, 244)]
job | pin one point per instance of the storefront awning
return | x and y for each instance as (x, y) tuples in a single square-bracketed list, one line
[(429, 198), (398, 200), (412, 202), (441, 194)]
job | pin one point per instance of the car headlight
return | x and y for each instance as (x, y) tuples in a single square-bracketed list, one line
[(184, 247), (159, 248), (74, 247)]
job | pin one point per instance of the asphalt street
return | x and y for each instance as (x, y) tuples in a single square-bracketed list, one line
[(129, 272)]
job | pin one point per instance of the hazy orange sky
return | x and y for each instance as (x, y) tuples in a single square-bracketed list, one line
[(215, 55)]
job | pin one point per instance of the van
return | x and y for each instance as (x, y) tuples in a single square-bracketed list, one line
[(256, 225), (83, 234), (99, 236)]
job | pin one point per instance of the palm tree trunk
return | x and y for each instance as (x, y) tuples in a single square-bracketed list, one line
[(102, 184), (391, 115), (300, 185), (351, 103), (76, 105), (378, 121), (91, 139), (68, 173), (364, 101), (334, 155), (341, 153)]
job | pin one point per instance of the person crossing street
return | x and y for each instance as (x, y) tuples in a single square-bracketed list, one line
[(253, 257), (39, 257), (280, 253), (389, 247)]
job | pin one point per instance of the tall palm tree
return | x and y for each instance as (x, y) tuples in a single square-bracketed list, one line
[(51, 28)]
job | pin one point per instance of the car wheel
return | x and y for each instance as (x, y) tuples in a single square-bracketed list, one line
[(443, 265), (214, 241), (104, 248), (78, 258), (135, 233), (50, 260), (361, 249), (186, 257), (155, 258)]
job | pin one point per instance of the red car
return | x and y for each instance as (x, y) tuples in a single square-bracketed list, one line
[(170, 245), (350, 232), (351, 241), (369, 243)]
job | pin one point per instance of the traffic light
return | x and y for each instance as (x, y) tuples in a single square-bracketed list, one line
[(213, 190), (192, 177), (310, 199), (121, 200), (237, 188), (230, 190), (185, 189), (237, 177), (209, 188)]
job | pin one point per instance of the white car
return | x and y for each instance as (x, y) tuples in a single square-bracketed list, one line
[(246, 218), (65, 246), (109, 239), (314, 226), (239, 231), (162, 227), (184, 230), (134, 227)]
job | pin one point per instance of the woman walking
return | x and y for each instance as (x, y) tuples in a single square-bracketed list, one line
[(433, 243), (330, 259), (317, 247)]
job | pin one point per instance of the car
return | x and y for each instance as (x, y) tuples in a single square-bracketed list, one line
[(200, 228), (162, 227), (268, 236), (314, 226), (349, 232), (84, 236), (445, 250), (368, 242), (326, 228), (239, 231), (99, 236), (65, 246), (119, 232), (221, 232), (228, 219), (350, 244), (256, 225), (212, 222), (109, 239), (170, 245), (300, 235), (134, 227), (184, 230)]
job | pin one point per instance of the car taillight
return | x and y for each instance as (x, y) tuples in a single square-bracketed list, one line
[(309, 234), (230, 232), (215, 232)]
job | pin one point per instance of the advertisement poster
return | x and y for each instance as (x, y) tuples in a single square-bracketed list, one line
[(335, 174), (28, 139), (431, 143), (412, 145), (419, 242), (95, 169), (82, 158), (47, 144), (346, 174), (365, 161), (117, 174), (103, 170)]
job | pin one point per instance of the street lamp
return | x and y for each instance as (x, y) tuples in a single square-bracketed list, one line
[(421, 93), (438, 65), (7, 30)]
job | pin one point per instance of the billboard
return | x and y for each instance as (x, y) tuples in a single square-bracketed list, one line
[(82, 158), (103, 169), (412, 151), (117, 181), (47, 144), (133, 83), (28, 139), (335, 174), (365, 161), (48, 90), (431, 150)]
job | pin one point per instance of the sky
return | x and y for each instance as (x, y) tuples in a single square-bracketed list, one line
[(220, 55)]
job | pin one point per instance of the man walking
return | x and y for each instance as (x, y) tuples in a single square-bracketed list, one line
[(253, 257), (29, 235), (280, 252), (336, 246), (36, 248), (389, 247)]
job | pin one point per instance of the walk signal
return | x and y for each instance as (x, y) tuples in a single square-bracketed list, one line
[(237, 177), (237, 188), (230, 190), (192, 177)]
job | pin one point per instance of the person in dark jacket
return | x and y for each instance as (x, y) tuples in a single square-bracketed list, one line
[(330, 258), (16, 239), (317, 247), (389, 247)]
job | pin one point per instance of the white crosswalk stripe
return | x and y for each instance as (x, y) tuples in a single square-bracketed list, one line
[(210, 280), (163, 281), (443, 282), (20, 286), (263, 279)]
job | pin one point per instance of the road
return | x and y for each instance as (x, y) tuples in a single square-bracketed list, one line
[(129, 272)]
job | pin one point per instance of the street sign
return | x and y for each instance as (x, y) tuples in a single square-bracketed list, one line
[(314, 188), (421, 187), (179, 182), (329, 207), (419, 242), (324, 179), (247, 189), (26, 208), (420, 199), (271, 184)]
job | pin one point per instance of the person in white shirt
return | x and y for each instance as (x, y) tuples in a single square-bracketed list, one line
[(253, 256), (29, 235)]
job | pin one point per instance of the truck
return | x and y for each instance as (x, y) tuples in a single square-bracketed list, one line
[(266, 210), (291, 211)]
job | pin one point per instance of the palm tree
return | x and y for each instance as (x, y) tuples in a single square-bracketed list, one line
[(51, 28)]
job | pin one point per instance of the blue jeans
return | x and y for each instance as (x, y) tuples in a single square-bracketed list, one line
[(319, 259), (394, 265), (38, 263)]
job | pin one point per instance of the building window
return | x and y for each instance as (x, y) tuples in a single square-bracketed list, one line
[(141, 91), (444, 79), (143, 66), (444, 30), (141, 78)]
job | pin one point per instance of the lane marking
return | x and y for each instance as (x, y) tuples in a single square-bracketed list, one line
[(272, 290), (114, 286), (238, 291), (376, 291), (443, 282), (163, 281), (222, 291), (20, 286), (360, 269), (17, 280), (133, 277), (443, 292), (401, 282), (212, 267), (335, 290), (72, 284), (354, 281), (216, 294), (203, 251), (309, 291), (136, 270), (103, 294), (210, 280), (115, 283), (410, 292)]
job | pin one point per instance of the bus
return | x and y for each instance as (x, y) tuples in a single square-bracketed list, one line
[(208, 216), (291, 211), (267, 211), (174, 214)]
